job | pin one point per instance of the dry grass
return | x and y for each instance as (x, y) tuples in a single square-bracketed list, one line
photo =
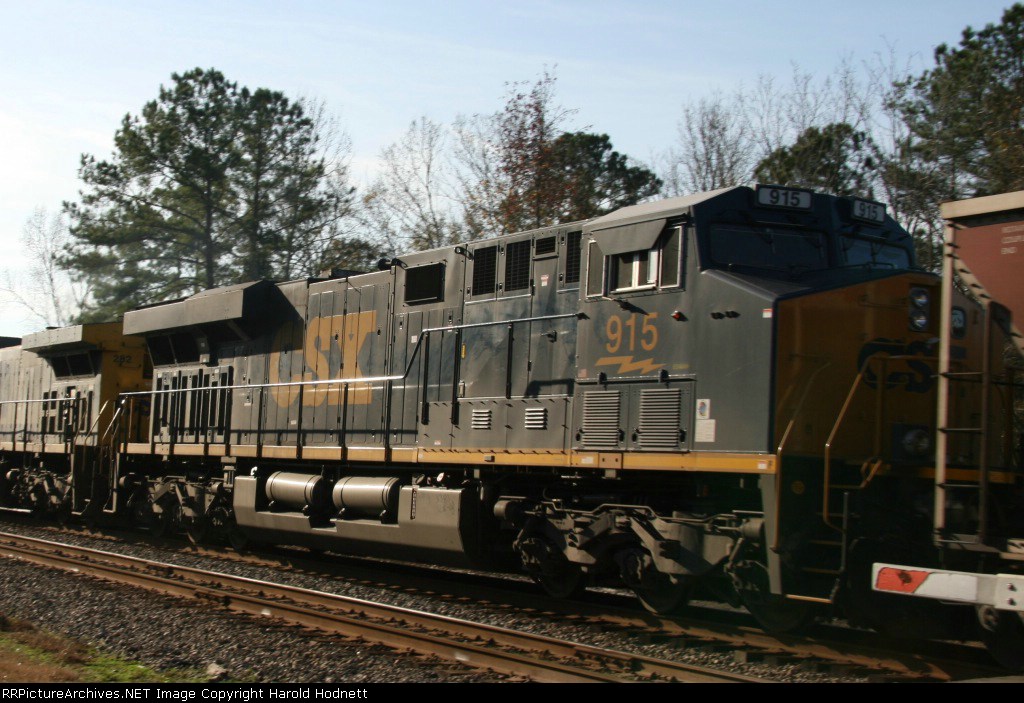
[(31, 656)]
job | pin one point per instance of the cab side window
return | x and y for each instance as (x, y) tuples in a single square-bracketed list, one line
[(633, 271)]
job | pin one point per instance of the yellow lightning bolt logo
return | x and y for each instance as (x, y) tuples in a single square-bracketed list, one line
[(626, 364)]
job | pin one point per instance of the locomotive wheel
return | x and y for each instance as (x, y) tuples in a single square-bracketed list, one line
[(548, 567), (63, 512), (775, 613), (40, 503), (562, 581), (140, 509), (197, 529), (239, 540), (1002, 631), (165, 522), (662, 596), (160, 524), (658, 592), (778, 614)]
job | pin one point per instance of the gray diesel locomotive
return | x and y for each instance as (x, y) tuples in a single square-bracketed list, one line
[(732, 390)]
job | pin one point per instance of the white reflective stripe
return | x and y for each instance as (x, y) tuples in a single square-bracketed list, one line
[(1004, 591), (949, 585), (925, 583)]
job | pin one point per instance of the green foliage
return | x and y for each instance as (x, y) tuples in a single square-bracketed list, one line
[(289, 201), (209, 185), (592, 179), (150, 222), (354, 254), (834, 159), (966, 115)]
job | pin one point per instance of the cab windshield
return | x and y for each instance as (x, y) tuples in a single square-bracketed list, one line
[(872, 254), (768, 248)]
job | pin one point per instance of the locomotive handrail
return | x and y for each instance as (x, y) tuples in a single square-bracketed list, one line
[(356, 379), (92, 428), (827, 478), (43, 400), (113, 420), (42, 433), (345, 382), (780, 450), (777, 533)]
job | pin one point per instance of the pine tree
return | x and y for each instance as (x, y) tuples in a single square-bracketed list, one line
[(210, 184)]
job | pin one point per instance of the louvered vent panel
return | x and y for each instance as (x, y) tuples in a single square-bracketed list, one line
[(659, 418), (601, 419), (481, 419), (536, 419), (544, 246)]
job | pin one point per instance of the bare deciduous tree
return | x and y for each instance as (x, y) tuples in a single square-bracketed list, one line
[(721, 140), (907, 183), (44, 290), (714, 148), (480, 179), (411, 203)]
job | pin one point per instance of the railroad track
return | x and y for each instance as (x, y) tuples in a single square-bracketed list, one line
[(535, 657), (827, 650)]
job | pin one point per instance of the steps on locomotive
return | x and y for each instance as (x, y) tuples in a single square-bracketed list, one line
[(822, 554)]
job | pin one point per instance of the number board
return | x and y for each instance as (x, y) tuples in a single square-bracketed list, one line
[(868, 211), (789, 198)]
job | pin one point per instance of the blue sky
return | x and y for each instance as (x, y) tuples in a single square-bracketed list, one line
[(72, 70)]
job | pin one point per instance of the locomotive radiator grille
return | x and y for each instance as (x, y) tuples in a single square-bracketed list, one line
[(517, 265), (659, 418), (601, 419)]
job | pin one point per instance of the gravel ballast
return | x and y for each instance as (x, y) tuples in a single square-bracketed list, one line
[(166, 633), (277, 653)]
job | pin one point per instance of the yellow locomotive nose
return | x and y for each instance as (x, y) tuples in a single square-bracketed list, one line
[(855, 369)]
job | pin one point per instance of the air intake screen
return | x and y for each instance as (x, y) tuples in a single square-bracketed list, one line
[(485, 271), (517, 266)]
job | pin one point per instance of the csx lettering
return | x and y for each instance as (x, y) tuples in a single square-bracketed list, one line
[(917, 377), (340, 337), (622, 335)]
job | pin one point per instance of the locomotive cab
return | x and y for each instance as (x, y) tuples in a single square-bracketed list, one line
[(772, 351)]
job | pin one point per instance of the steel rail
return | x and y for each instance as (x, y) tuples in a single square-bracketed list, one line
[(472, 644), (694, 629)]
